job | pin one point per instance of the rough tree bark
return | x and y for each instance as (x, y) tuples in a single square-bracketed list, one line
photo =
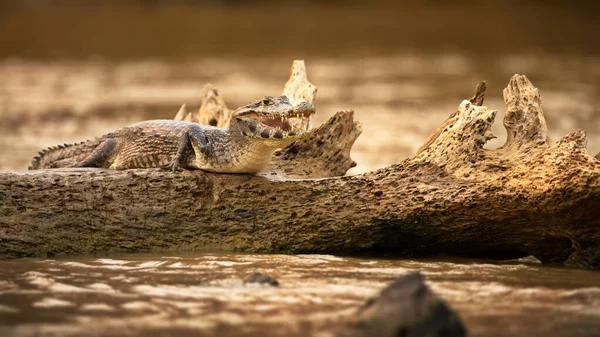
[(531, 196)]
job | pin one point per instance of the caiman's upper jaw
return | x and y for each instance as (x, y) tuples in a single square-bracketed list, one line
[(282, 121)]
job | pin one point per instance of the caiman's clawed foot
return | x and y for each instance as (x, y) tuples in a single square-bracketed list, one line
[(172, 166)]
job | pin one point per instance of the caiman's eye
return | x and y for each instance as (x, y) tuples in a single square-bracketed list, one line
[(268, 100)]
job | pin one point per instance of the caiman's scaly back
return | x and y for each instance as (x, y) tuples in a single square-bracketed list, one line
[(255, 131)]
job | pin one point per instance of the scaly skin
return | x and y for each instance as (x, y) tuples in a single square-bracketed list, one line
[(255, 131)]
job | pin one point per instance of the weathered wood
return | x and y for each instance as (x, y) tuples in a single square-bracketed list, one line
[(325, 154), (477, 99), (299, 89), (530, 197), (213, 110)]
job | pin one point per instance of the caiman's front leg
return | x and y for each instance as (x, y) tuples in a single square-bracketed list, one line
[(192, 141)]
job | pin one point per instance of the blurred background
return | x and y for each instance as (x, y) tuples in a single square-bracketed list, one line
[(75, 69)]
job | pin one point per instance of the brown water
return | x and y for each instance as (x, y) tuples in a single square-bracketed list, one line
[(203, 294), (70, 73)]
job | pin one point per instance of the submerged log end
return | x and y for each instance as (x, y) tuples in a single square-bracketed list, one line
[(524, 120), (325, 154), (586, 258)]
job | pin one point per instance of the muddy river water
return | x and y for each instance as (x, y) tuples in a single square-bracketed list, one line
[(203, 295)]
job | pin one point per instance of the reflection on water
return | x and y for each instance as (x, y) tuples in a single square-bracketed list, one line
[(203, 293)]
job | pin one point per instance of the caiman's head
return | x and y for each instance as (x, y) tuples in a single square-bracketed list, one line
[(269, 119)]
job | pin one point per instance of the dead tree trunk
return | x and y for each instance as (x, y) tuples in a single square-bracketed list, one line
[(531, 196)]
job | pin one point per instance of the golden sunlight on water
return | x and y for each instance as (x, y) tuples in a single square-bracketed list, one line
[(204, 294)]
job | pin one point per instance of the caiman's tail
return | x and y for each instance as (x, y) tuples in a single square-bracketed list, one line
[(67, 155)]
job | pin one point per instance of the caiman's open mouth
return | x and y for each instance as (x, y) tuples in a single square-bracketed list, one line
[(276, 118), (288, 123), (281, 123)]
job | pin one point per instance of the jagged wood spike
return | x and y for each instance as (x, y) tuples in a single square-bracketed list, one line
[(181, 114), (524, 121), (298, 89), (479, 96), (477, 100), (213, 110)]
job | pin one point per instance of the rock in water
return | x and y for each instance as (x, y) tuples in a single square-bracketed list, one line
[(405, 308), (261, 279)]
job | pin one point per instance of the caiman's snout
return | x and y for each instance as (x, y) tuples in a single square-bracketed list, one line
[(275, 128), (275, 118), (281, 121), (304, 109)]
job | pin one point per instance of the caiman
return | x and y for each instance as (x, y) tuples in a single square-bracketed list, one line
[(255, 132)]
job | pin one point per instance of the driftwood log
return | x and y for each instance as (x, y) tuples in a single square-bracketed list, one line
[(532, 196)]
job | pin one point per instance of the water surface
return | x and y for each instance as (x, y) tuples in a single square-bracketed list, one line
[(203, 294)]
